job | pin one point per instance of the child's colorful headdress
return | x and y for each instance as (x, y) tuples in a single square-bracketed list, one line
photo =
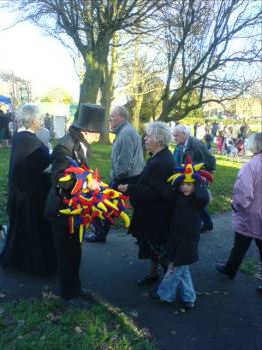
[(189, 173)]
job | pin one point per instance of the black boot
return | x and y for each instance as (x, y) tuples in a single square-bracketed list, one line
[(222, 269)]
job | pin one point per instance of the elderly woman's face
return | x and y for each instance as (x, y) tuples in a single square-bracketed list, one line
[(150, 143)]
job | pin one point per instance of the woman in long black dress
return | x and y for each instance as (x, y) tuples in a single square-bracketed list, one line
[(29, 245)]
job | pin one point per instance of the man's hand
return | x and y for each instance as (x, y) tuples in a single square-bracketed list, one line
[(122, 188), (93, 185)]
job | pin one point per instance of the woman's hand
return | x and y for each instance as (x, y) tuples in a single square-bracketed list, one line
[(122, 188)]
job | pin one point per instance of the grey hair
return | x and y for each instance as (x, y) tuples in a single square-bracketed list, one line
[(27, 114), (254, 143), (182, 128), (160, 132), (120, 110)]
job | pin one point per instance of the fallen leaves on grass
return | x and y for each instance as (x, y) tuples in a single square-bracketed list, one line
[(103, 346), (20, 323), (53, 317), (49, 295), (134, 314), (78, 329)]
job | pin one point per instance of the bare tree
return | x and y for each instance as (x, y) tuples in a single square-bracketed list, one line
[(139, 77), (90, 24), (204, 54)]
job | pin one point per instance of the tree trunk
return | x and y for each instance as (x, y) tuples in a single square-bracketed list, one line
[(94, 74), (135, 120), (165, 111), (92, 80), (108, 86), (136, 87)]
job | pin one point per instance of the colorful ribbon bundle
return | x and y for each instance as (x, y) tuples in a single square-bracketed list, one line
[(189, 173), (84, 204)]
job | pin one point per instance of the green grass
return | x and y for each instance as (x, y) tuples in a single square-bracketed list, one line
[(249, 266), (101, 159), (46, 324), (221, 188)]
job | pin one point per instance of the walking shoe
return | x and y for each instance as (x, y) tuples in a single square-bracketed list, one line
[(188, 305), (153, 295), (259, 289), (95, 239), (84, 294), (74, 302), (258, 274), (222, 269), (3, 231), (206, 228), (148, 280)]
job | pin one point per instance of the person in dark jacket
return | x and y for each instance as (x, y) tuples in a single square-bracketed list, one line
[(29, 244), (75, 145), (198, 152), (151, 216), (188, 197)]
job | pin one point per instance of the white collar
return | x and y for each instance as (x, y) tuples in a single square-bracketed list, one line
[(185, 144)]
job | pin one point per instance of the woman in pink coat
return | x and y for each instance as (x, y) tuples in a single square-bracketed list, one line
[(247, 209)]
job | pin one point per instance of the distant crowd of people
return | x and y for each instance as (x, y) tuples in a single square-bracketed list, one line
[(169, 195), (229, 140), (8, 127)]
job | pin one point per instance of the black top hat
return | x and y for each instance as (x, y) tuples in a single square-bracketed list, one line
[(91, 118)]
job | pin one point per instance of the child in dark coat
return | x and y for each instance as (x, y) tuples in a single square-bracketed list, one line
[(189, 197)]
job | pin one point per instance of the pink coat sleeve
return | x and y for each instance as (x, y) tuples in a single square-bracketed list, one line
[(243, 192)]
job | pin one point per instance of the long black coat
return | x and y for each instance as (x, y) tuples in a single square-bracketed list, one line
[(182, 243), (68, 246), (29, 246), (151, 217), (68, 148)]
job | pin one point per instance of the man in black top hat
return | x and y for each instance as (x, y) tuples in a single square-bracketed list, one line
[(75, 145)]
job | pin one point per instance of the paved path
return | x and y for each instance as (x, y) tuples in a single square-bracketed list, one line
[(228, 315)]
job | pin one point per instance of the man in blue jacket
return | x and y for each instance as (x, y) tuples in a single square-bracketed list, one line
[(198, 152)]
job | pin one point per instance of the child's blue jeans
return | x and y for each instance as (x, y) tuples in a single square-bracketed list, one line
[(177, 284)]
